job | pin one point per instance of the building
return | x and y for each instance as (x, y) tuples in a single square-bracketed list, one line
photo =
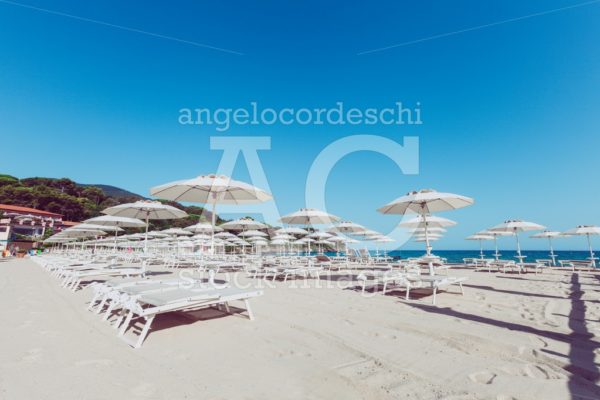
[(23, 226)]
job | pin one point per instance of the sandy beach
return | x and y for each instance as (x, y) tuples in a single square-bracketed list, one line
[(509, 337)]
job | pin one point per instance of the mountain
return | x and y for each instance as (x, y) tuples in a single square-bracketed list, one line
[(77, 202), (113, 191)]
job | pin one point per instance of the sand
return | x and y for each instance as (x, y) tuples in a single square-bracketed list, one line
[(509, 337)]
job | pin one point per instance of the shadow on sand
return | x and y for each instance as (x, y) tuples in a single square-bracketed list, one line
[(584, 372)]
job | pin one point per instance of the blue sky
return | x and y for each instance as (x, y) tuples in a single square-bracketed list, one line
[(510, 111)]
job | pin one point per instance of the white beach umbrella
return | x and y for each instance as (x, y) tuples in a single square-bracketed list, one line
[(177, 232), (243, 224), (367, 233), (495, 235), (202, 227), (252, 233), (429, 230), (292, 231), (347, 227), (283, 236), (422, 239), (431, 235), (213, 190), (588, 231), (225, 235), (154, 234), (309, 216), (480, 238), (320, 235), (146, 210), (515, 226), (92, 227), (112, 220), (549, 235), (430, 221), (425, 202)]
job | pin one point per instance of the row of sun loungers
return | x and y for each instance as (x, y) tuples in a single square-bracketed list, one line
[(134, 298)]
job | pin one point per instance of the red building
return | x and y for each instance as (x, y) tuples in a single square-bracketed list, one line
[(27, 224)]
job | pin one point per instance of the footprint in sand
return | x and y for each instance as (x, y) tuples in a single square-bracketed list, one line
[(33, 355), (541, 372), (26, 324), (144, 389), (102, 362), (537, 341), (505, 397), (484, 377)]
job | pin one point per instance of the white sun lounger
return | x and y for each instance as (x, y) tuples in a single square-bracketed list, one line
[(148, 306), (436, 282)]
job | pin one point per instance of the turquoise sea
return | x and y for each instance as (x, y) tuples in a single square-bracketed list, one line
[(456, 256)]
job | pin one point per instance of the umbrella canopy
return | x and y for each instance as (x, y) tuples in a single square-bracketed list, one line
[(112, 220), (80, 233), (283, 236), (429, 230), (495, 235), (177, 232), (367, 232), (146, 210), (515, 226), (95, 227), (309, 216), (243, 224), (225, 235), (348, 227), (252, 233), (211, 189), (254, 238), (423, 240), (426, 201), (429, 221), (588, 231), (202, 227), (480, 237), (584, 230), (320, 235), (291, 231), (549, 235)]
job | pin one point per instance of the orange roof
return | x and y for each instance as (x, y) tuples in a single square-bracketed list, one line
[(27, 210), (69, 223)]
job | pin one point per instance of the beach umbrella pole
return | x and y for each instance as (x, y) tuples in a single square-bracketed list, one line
[(481, 249), (146, 235), (519, 256), (552, 256), (497, 255), (591, 251)]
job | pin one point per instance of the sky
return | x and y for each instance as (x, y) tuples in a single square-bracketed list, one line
[(508, 93)]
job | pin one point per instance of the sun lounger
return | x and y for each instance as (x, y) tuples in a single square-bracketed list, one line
[(585, 264), (436, 282), (148, 306), (385, 278)]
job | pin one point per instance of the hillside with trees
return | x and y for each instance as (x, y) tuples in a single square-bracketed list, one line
[(78, 202)]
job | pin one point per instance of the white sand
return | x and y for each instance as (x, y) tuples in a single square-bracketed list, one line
[(521, 337)]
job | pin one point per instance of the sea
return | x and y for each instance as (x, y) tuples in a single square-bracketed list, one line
[(456, 256)]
